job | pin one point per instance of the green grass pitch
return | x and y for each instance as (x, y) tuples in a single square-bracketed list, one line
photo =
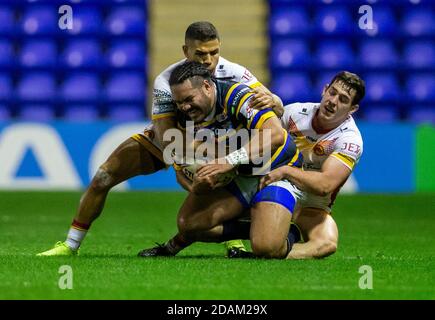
[(393, 234)]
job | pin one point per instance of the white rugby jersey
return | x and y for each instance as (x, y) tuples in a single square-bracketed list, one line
[(163, 105), (344, 142)]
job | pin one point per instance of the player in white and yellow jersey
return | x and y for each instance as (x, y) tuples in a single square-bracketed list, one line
[(332, 145), (142, 153)]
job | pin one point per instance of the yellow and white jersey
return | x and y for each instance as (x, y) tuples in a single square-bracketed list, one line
[(163, 105), (344, 143)]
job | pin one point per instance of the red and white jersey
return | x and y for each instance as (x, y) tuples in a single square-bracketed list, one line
[(163, 105), (344, 143)]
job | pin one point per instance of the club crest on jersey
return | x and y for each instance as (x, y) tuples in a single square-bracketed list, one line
[(319, 150)]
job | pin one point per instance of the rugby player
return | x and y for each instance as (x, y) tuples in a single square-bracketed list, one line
[(331, 144), (216, 104), (141, 154)]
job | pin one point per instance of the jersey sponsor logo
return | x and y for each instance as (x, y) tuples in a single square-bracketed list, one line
[(161, 97), (304, 112), (351, 147), (163, 108), (162, 102), (247, 75)]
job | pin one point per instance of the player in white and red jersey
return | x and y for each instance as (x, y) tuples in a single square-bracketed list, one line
[(332, 145), (141, 154)]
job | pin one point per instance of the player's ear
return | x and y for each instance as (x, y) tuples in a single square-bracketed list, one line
[(324, 89), (185, 50), (354, 108), (207, 85)]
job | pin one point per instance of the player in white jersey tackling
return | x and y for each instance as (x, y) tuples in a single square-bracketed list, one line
[(332, 145), (142, 153)]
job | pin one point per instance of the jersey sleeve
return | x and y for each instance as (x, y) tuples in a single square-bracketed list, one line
[(243, 75), (163, 106), (236, 105), (348, 150)]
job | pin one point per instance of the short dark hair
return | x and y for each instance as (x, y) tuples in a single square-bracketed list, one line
[(192, 70), (202, 31), (352, 81)]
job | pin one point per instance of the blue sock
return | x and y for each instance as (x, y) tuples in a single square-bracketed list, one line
[(293, 236)]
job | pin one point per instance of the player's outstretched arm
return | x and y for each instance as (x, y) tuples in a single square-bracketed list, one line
[(271, 142), (160, 125)]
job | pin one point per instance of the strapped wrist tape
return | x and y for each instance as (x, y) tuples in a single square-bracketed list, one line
[(237, 157)]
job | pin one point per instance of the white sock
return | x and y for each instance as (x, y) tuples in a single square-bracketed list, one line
[(75, 238)]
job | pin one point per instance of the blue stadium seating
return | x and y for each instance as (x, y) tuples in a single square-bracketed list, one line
[(82, 53), (384, 23), (6, 89), (126, 54), (126, 87), (381, 113), (292, 87), (6, 54), (126, 112), (378, 54), (335, 55), (70, 73), (87, 21), (382, 88), (289, 54), (126, 21), (38, 86), (81, 113), (422, 114), (420, 55), (38, 54), (334, 20), (321, 80), (7, 23), (289, 22), (419, 22), (81, 87), (421, 88), (40, 20), (37, 112), (5, 113)]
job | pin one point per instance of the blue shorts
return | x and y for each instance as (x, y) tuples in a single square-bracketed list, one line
[(245, 189)]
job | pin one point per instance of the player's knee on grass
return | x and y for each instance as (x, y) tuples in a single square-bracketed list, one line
[(268, 247)]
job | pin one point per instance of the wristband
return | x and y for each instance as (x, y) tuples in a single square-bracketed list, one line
[(237, 157)]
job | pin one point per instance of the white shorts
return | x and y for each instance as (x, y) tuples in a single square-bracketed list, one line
[(312, 201)]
